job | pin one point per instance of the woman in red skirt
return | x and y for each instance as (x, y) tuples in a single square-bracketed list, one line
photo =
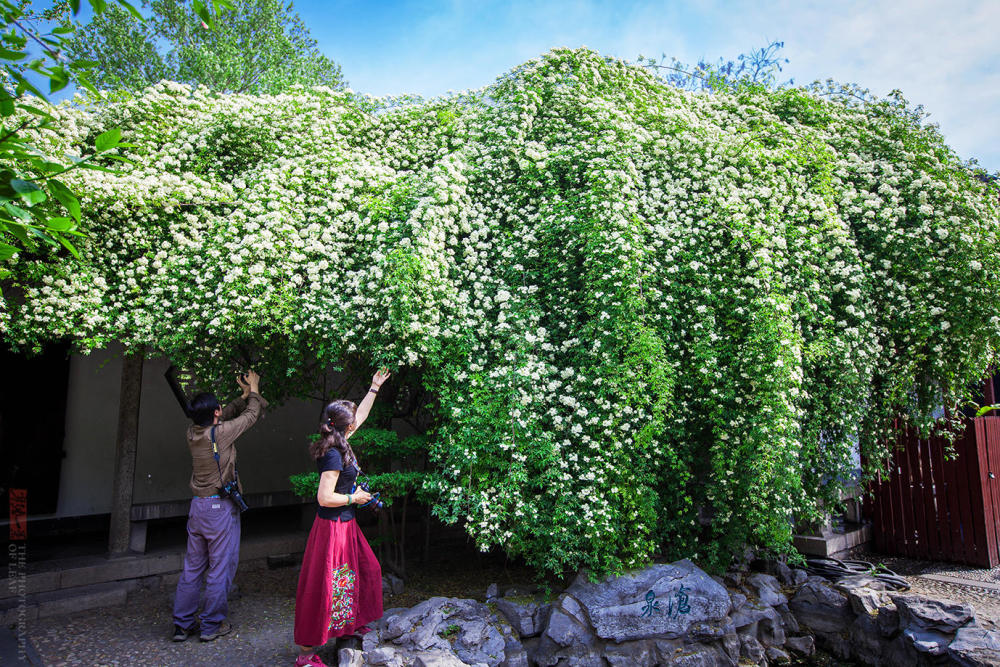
[(340, 585)]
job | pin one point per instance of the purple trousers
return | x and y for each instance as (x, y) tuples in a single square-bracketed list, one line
[(213, 552)]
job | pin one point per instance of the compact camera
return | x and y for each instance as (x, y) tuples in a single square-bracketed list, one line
[(232, 490)]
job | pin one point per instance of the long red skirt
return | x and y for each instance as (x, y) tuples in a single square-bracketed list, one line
[(340, 585)]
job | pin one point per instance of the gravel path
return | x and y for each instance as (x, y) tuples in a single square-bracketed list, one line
[(979, 586)]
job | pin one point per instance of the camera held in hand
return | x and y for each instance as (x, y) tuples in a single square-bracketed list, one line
[(232, 490), (376, 502)]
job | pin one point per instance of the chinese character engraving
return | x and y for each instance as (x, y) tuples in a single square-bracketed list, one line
[(652, 604)]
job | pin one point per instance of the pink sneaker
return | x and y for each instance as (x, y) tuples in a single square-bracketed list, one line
[(309, 661)]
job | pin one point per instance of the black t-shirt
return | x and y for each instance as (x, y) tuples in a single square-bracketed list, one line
[(332, 460)]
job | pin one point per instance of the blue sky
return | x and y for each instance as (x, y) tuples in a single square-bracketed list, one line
[(942, 54)]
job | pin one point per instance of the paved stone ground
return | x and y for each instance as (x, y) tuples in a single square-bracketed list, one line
[(139, 632)]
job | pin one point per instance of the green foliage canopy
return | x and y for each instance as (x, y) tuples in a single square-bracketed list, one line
[(258, 46), (654, 320)]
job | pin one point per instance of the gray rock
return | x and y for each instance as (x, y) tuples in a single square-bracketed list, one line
[(749, 616), (920, 613), (518, 591), (526, 615), (975, 646), (658, 601), (464, 629), (349, 657), (799, 577), (737, 600), (855, 581), (704, 633), (518, 658), (492, 591), (731, 646), (776, 656), (631, 654), (783, 573), (436, 659), (888, 620), (696, 655), (767, 589), (801, 646), (866, 641), (771, 631), (391, 584), (565, 628), (787, 619), (821, 608), (865, 601), (928, 641), (384, 655), (752, 650)]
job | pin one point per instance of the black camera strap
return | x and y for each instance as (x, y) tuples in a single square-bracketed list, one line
[(215, 453)]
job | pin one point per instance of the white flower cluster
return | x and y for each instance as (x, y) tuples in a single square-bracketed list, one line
[(654, 320)]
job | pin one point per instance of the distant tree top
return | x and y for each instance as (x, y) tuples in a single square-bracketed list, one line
[(258, 47)]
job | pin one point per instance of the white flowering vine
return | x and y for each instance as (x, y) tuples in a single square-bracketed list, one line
[(655, 321)]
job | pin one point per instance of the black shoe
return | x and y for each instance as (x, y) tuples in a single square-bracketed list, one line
[(180, 634), (224, 629)]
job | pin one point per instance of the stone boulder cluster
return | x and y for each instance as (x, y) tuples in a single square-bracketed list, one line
[(678, 615)]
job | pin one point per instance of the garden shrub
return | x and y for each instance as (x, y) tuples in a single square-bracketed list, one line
[(654, 321)]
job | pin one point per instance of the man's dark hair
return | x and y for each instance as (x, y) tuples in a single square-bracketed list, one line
[(203, 407)]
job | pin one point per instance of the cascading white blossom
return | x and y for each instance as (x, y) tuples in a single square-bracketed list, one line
[(655, 321)]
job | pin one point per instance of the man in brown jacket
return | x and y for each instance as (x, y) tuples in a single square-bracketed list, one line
[(213, 548)]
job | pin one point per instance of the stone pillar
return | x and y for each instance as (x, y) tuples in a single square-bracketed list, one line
[(127, 440)]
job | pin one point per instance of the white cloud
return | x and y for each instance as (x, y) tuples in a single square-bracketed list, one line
[(943, 55)]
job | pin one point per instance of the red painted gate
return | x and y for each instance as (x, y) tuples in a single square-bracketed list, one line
[(933, 508)]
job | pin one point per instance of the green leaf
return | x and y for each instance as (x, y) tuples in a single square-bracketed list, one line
[(65, 197), (7, 54), (83, 64), (201, 10), (131, 10), (30, 193), (7, 106), (17, 212), (58, 78), (987, 408), (108, 140), (59, 224), (64, 30), (35, 111), (20, 231), (75, 5), (69, 246), (7, 251), (98, 5)]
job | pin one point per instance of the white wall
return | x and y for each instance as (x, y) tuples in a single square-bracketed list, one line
[(269, 452)]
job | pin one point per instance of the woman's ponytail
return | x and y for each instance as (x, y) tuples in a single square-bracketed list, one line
[(337, 418)]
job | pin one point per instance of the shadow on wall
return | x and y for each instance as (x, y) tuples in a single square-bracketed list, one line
[(273, 449)]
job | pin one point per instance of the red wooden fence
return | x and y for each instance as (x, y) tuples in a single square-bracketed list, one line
[(932, 508)]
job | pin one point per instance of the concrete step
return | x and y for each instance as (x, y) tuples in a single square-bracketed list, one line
[(64, 601), (80, 576), (832, 543)]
